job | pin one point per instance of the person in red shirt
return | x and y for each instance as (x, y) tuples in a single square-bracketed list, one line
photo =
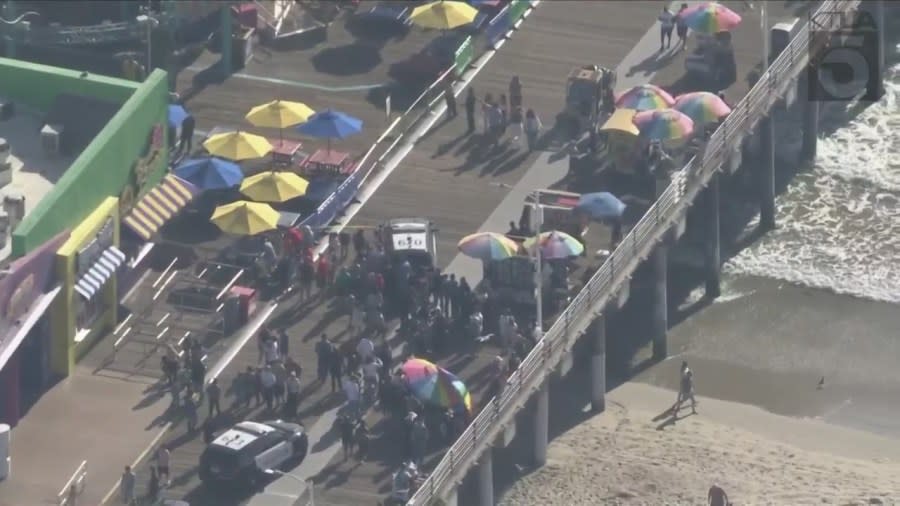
[(323, 273), (293, 241)]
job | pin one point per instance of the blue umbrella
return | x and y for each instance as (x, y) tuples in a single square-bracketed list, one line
[(600, 206), (330, 124), (210, 173), (177, 114)]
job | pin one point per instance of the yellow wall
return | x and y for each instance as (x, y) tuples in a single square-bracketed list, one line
[(65, 350)]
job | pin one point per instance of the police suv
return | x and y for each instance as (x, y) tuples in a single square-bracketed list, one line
[(243, 453)]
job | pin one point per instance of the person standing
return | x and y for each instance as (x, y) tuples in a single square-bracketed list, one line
[(515, 92), (186, 140), (470, 110), (126, 486), (532, 128), (681, 27), (351, 391), (163, 456), (516, 117), (666, 25), (214, 394), (345, 429), (335, 369), (268, 380), (293, 395), (153, 485), (190, 412), (717, 496), (450, 99), (324, 349)]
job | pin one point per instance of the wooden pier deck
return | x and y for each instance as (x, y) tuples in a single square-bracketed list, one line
[(447, 178)]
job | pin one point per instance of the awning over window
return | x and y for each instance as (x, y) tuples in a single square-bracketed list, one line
[(159, 206), (99, 273), (34, 315)]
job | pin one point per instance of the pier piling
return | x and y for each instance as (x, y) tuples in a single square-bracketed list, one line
[(713, 239), (660, 302), (598, 365), (767, 174), (810, 129), (541, 424), (486, 478)]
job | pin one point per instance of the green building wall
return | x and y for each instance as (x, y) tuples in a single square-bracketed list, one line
[(105, 166)]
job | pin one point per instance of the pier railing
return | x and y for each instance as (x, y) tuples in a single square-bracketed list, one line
[(723, 147)]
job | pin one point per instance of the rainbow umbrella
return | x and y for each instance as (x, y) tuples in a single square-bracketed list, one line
[(436, 385), (702, 106), (710, 18), (645, 97), (488, 246), (556, 245), (665, 125)]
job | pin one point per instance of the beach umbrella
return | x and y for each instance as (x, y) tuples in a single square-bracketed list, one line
[(488, 246), (600, 206), (245, 218), (176, 115), (210, 173), (710, 18), (702, 107), (274, 186), (436, 385), (555, 245), (279, 114), (645, 97), (665, 125), (443, 15), (237, 145), (330, 124)]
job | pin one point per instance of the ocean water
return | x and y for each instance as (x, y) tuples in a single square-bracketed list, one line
[(839, 223)]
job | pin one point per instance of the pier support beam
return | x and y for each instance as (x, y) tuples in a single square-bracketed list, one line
[(659, 260), (713, 239), (810, 129), (541, 424), (452, 499), (486, 478), (875, 86), (767, 174), (598, 365)]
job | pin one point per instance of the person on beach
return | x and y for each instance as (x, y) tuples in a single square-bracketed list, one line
[(681, 27), (666, 25), (126, 486), (532, 129), (717, 496), (450, 100), (686, 390)]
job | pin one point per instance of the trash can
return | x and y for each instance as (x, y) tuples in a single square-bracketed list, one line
[(5, 459)]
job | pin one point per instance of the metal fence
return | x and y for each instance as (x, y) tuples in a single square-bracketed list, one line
[(723, 147)]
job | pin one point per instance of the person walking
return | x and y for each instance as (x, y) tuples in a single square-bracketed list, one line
[(470, 110), (681, 27), (686, 390), (126, 487), (213, 395), (666, 25), (163, 456), (450, 100), (532, 129)]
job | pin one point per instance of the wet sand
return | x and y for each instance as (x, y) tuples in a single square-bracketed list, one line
[(768, 343), (633, 454)]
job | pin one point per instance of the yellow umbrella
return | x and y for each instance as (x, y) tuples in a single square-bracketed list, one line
[(237, 146), (274, 186), (245, 218), (279, 114), (443, 15)]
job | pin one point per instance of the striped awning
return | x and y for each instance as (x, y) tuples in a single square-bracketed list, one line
[(98, 274), (159, 206)]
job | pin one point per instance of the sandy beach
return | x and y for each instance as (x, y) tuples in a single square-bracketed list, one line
[(632, 455)]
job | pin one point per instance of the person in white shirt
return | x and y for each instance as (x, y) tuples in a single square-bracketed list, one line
[(365, 349), (270, 351), (351, 390), (666, 25), (370, 369)]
